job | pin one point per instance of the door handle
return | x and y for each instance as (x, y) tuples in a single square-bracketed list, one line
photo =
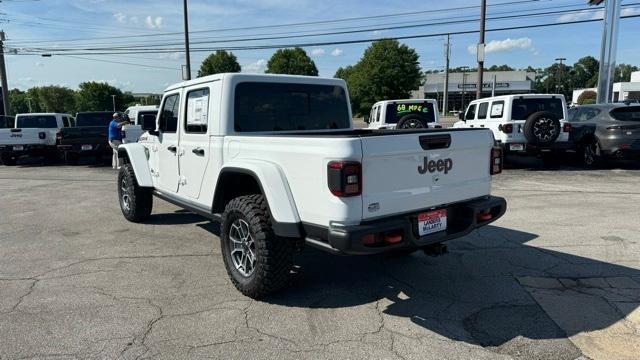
[(198, 151), (172, 148)]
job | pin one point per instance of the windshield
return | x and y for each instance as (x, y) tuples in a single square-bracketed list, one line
[(280, 107), (423, 110), (523, 108), (36, 121), (630, 113), (93, 119)]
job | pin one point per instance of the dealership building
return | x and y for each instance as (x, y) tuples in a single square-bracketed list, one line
[(621, 90), (462, 86)]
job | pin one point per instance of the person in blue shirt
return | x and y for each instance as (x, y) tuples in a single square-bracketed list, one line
[(115, 137)]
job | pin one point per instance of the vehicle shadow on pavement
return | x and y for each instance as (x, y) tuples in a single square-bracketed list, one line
[(491, 290), (567, 162)]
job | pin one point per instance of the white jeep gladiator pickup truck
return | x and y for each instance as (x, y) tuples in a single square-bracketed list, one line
[(276, 160), (33, 135)]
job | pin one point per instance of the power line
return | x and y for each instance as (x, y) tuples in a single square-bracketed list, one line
[(119, 62), (506, 17), (299, 23), (344, 42)]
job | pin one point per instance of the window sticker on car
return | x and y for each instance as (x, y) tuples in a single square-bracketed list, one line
[(496, 109), (197, 110)]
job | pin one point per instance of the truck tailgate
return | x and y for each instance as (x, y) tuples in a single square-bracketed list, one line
[(413, 171), (21, 137)]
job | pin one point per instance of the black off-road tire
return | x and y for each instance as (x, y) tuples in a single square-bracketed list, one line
[(8, 160), (411, 122), (273, 255), (542, 128), (137, 205)]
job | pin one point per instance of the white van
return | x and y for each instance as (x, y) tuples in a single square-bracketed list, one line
[(404, 114), (131, 133)]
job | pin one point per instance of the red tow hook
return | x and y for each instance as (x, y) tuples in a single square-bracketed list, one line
[(485, 215)]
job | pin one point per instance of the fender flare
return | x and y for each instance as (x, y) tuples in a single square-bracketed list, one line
[(137, 157), (274, 186)]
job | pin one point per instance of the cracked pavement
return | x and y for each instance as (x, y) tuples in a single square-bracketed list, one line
[(557, 277)]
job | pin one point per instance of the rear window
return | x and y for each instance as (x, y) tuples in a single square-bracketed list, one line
[(141, 114), (523, 108), (93, 119), (6, 122), (630, 113), (36, 121), (422, 109), (281, 107)]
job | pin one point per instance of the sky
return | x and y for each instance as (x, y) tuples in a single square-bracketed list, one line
[(42, 25)]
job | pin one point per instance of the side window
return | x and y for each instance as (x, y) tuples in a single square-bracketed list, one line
[(497, 108), (196, 119), (65, 121), (482, 110), (169, 114), (572, 114), (471, 112), (378, 109)]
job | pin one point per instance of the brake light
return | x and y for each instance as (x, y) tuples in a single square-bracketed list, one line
[(496, 161), (506, 128), (566, 127), (58, 136), (344, 178), (42, 135)]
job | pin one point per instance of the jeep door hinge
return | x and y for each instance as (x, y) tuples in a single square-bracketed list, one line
[(182, 181)]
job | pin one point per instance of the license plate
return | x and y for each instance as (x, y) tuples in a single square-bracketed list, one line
[(432, 222), (18, 148), (516, 147), (86, 147)]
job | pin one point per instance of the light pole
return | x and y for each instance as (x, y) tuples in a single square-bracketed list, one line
[(447, 55), (187, 74), (608, 49), (113, 98), (3, 75), (559, 73), (480, 52), (464, 84)]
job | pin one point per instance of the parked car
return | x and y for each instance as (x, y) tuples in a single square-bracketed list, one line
[(131, 132), (404, 114), (605, 132), (88, 138), (533, 124), (32, 135), (7, 122), (275, 158)]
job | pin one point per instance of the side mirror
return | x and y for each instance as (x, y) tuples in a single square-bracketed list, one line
[(367, 119), (461, 116), (148, 122)]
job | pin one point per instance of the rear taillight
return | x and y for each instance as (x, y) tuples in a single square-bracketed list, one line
[(506, 128), (344, 178), (58, 136), (42, 135), (566, 127), (496, 161)]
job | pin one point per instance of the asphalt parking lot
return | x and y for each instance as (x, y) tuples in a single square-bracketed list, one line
[(557, 277)]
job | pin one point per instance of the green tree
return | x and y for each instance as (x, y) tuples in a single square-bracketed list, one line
[(219, 62), (56, 99), (387, 70), (293, 61), (587, 97), (585, 72), (97, 96), (18, 101), (504, 67), (623, 72)]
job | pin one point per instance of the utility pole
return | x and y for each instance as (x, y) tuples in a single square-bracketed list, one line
[(480, 52), (447, 55), (3, 75), (559, 73), (493, 86), (113, 98), (606, 73), (464, 84), (186, 42)]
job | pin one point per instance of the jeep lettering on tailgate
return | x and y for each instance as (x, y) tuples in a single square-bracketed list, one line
[(432, 166)]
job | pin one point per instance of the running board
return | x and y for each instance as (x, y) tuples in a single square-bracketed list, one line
[(189, 206)]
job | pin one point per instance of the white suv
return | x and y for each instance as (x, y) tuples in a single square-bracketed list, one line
[(523, 123), (404, 114)]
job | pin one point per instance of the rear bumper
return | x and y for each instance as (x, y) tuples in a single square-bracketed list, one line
[(27, 150), (558, 146), (621, 148), (461, 220), (96, 149)]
